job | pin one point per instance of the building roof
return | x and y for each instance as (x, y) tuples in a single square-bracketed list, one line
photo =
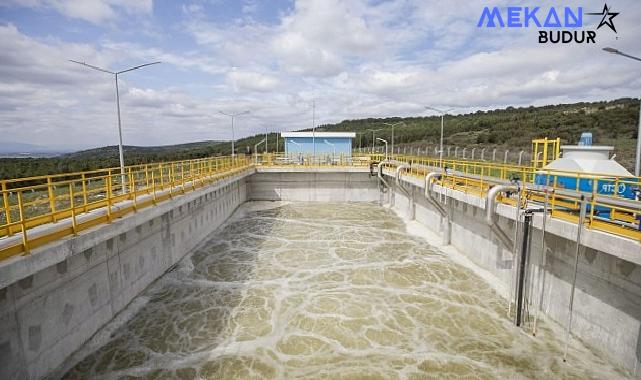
[(319, 134)]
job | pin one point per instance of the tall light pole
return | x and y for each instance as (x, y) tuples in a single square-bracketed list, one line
[(374, 137), (443, 113), (233, 137), (385, 141), (314, 128), (392, 125), (637, 160), (115, 74), (256, 149), (266, 139)]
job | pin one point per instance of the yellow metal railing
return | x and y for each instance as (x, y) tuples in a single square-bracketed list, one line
[(76, 201), (563, 202), (30, 203), (545, 151)]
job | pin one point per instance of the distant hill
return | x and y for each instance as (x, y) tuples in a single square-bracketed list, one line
[(611, 122), (8, 147)]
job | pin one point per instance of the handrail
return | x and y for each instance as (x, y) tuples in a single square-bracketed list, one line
[(27, 203)]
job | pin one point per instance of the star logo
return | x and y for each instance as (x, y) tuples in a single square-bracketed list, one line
[(607, 18)]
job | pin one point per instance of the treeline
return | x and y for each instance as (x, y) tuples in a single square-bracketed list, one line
[(611, 123)]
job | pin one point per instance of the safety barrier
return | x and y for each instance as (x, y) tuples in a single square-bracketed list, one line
[(77, 201), (611, 204)]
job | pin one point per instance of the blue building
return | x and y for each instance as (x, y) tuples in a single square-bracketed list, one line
[(320, 143)]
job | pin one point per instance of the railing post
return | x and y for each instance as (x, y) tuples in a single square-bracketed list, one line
[(23, 227), (72, 205), (130, 178), (147, 176), (109, 194), (7, 206), (153, 187), (182, 177), (132, 188), (52, 199), (170, 177), (84, 192), (191, 175)]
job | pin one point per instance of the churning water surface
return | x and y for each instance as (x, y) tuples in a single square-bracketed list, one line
[(327, 291)]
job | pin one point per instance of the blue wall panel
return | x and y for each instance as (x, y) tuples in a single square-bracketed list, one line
[(343, 145)]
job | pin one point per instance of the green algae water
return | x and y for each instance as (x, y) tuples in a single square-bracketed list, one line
[(326, 291)]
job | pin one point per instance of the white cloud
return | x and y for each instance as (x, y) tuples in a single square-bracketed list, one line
[(95, 11), (356, 59), (252, 81)]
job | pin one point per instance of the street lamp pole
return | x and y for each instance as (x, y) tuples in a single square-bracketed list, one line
[(385, 141), (393, 125), (443, 113), (115, 74), (637, 160), (373, 137), (256, 149), (233, 137), (314, 128)]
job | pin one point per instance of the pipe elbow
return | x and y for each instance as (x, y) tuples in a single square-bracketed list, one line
[(398, 171), (491, 200), (428, 182)]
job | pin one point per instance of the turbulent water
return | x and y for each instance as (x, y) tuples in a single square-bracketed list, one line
[(331, 291)]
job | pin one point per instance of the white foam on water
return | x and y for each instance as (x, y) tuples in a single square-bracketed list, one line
[(309, 290)]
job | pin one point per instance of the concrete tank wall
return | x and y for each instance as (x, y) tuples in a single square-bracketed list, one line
[(47, 315), (75, 286), (607, 303), (312, 185)]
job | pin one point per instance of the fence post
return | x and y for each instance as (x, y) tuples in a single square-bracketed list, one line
[(52, 199), (23, 227), (72, 205), (84, 191), (7, 206), (109, 191)]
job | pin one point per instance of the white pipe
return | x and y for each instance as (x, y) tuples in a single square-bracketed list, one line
[(428, 192), (380, 173), (491, 199), (398, 174)]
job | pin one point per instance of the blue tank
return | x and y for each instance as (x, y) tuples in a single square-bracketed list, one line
[(605, 186)]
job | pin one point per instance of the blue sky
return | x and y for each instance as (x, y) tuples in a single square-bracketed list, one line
[(355, 58)]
